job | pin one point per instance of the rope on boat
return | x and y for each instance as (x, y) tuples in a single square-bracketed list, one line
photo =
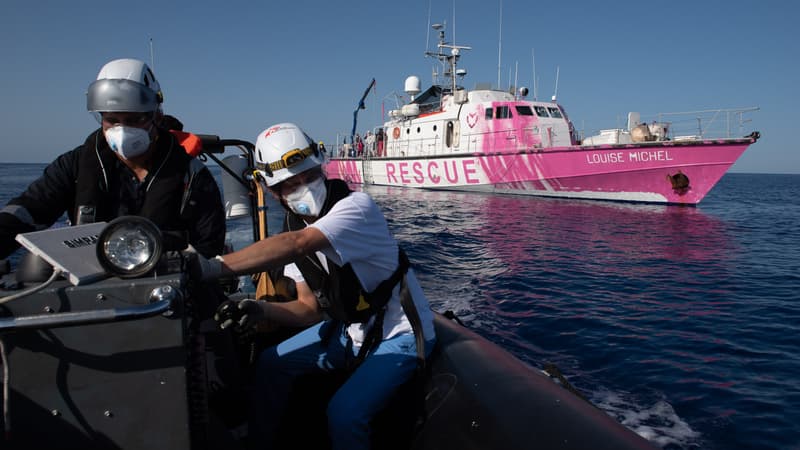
[(554, 372), (6, 380)]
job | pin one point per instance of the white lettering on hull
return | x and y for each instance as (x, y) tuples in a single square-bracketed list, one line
[(638, 156), (433, 172)]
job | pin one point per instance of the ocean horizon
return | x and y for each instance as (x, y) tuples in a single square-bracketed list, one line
[(680, 322)]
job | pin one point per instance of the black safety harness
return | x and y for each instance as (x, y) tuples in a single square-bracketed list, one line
[(341, 295)]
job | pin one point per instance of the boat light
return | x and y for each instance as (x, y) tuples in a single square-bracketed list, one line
[(129, 246)]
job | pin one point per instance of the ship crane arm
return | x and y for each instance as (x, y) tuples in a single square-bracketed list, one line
[(359, 107)]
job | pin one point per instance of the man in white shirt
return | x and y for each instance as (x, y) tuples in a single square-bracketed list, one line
[(355, 291)]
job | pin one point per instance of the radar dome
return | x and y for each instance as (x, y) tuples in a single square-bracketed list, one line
[(412, 85)]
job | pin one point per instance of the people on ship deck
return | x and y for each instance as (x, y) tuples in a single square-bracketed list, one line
[(369, 141), (364, 307), (379, 138), (347, 149), (131, 165), (359, 145)]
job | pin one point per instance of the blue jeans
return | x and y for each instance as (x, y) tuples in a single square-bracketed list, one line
[(364, 394)]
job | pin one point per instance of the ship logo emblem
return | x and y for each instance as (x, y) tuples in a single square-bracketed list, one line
[(472, 119)]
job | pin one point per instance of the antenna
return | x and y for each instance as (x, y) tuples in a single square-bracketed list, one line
[(555, 94), (428, 30), (454, 22), (152, 58), (500, 44), (533, 59), (516, 78)]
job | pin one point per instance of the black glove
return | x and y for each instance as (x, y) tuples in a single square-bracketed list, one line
[(243, 315), (200, 267)]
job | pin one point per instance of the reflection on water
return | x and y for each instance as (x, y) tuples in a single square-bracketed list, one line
[(531, 247)]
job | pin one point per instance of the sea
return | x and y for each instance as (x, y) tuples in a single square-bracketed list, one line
[(683, 323)]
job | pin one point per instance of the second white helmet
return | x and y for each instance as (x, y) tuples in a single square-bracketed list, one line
[(124, 85), (283, 151)]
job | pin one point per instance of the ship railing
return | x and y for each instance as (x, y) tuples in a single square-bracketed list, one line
[(699, 124), (709, 123), (435, 146)]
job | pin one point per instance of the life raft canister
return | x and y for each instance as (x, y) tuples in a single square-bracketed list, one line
[(396, 132)]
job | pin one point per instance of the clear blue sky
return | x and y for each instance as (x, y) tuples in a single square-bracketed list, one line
[(233, 68)]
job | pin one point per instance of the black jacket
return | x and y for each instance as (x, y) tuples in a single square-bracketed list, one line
[(182, 196)]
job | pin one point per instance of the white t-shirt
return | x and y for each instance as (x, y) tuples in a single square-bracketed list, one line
[(359, 235)]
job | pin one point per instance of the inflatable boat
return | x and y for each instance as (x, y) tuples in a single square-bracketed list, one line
[(131, 360)]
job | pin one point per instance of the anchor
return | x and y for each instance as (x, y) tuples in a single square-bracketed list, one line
[(680, 182)]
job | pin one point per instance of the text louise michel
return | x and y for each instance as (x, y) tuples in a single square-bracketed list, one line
[(628, 157)]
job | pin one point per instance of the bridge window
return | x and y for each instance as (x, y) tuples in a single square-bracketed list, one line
[(555, 112), (541, 111), (489, 113), (502, 112), (524, 110)]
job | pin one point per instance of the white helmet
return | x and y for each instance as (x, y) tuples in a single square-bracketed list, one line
[(124, 85), (283, 151)]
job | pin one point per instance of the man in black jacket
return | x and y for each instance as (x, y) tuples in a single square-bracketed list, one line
[(131, 165)]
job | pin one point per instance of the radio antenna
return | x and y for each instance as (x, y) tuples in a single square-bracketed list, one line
[(428, 29), (533, 60), (454, 22), (152, 58), (555, 94), (500, 44)]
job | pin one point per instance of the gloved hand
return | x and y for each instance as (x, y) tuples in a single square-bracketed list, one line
[(201, 267), (243, 315)]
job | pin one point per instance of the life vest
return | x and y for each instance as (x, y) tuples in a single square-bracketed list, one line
[(338, 290), (191, 143), (97, 183)]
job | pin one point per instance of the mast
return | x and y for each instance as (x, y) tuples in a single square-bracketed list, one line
[(448, 61)]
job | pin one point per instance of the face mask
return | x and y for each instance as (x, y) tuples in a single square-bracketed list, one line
[(128, 141), (307, 200)]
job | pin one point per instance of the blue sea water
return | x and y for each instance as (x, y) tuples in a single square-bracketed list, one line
[(681, 322)]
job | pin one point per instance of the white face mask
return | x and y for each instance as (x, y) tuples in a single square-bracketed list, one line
[(307, 199), (128, 141)]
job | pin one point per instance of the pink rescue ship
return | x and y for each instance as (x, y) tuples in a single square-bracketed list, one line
[(496, 141)]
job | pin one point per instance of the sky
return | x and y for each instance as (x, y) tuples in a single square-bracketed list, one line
[(233, 68)]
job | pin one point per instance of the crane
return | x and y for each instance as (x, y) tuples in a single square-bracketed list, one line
[(360, 106)]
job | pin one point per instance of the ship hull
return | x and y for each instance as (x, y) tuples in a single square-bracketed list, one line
[(669, 172)]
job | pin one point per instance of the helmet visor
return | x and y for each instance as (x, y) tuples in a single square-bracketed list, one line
[(120, 95)]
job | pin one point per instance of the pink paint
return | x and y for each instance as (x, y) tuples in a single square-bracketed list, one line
[(344, 169), (506, 135), (615, 172)]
